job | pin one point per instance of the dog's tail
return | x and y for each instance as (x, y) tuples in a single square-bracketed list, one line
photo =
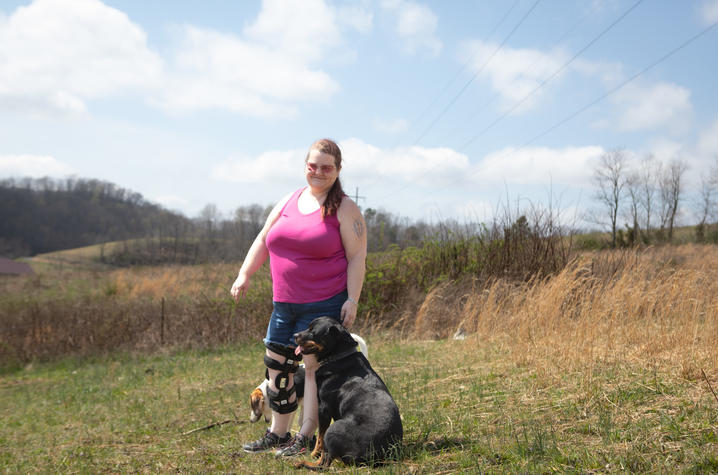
[(362, 345)]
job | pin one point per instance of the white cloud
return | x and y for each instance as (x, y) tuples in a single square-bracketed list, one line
[(34, 166), (611, 74), (422, 166), (275, 166), (391, 126), (418, 166), (218, 70), (357, 17), (709, 12), (708, 142), (663, 150), (513, 73), (538, 165), (300, 29), (650, 107), (415, 26), (363, 163), (266, 71), (416, 179), (57, 54)]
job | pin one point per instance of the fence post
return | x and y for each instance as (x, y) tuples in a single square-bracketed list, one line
[(162, 323)]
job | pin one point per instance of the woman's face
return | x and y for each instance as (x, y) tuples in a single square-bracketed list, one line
[(320, 170)]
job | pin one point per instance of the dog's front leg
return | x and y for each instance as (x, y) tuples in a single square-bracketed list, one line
[(325, 460), (319, 446), (325, 419), (319, 449)]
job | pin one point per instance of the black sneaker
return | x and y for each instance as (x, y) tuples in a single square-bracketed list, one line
[(300, 445), (268, 442)]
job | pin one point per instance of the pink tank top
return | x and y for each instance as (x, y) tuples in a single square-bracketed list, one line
[(306, 255)]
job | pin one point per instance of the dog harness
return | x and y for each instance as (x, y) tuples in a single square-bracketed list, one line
[(279, 399)]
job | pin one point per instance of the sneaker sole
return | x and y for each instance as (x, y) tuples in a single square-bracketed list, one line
[(301, 452), (261, 451)]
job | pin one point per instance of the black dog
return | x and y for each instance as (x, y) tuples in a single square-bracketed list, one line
[(367, 427)]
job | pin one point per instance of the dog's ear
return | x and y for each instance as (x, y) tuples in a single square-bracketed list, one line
[(338, 337), (346, 338)]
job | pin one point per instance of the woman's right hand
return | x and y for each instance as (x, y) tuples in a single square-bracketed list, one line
[(240, 287)]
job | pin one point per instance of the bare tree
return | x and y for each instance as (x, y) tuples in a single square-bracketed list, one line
[(671, 191), (610, 179), (209, 217), (707, 201), (633, 188), (649, 170)]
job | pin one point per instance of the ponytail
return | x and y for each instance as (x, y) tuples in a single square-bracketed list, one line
[(333, 200)]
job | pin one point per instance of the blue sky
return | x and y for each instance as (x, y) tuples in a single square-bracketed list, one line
[(442, 109)]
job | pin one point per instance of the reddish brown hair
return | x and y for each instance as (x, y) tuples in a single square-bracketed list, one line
[(336, 192)]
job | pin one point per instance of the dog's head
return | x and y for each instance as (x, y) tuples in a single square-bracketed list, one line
[(259, 405), (325, 336)]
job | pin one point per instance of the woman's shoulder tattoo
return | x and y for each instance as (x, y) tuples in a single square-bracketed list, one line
[(358, 227)]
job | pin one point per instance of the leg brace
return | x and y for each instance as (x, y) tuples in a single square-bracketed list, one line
[(279, 399)]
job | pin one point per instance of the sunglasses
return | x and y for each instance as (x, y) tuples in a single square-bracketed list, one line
[(313, 167)]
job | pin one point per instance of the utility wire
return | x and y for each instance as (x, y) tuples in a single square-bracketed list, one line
[(465, 65), (456, 97), (460, 71), (593, 102), (476, 74), (550, 77), (525, 98), (496, 94)]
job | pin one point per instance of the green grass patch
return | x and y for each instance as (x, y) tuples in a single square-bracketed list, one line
[(465, 409)]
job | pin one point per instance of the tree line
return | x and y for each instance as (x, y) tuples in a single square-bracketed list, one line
[(45, 215), (639, 200), (646, 197)]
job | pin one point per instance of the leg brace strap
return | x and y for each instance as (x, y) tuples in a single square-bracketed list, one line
[(279, 399)]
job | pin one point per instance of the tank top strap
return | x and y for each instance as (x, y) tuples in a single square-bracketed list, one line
[(291, 207)]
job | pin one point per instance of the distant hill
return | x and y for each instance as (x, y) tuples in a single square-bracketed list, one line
[(45, 215)]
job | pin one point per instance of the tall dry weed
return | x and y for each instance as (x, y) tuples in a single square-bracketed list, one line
[(653, 307)]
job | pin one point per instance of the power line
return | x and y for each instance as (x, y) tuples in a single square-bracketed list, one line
[(595, 101), (456, 97), (551, 76), (464, 66), (476, 74), (496, 94), (543, 83)]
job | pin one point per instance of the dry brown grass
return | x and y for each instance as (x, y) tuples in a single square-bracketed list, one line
[(78, 311), (652, 307), (656, 308)]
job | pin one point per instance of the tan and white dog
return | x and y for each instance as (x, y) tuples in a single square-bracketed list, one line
[(258, 398)]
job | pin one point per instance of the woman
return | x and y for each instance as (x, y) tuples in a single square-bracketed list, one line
[(316, 241)]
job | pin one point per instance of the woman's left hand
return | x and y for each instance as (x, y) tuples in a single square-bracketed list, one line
[(311, 363), (349, 313)]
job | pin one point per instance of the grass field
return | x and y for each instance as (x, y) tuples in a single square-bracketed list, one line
[(467, 407), (607, 365), (82, 258)]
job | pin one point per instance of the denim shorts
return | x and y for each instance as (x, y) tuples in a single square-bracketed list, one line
[(290, 318)]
